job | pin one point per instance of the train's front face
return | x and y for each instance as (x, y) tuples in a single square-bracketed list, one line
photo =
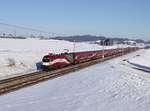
[(50, 62), (46, 62)]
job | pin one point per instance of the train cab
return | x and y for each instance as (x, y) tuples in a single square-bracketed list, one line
[(55, 61)]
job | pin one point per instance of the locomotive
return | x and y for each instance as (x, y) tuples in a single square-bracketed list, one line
[(56, 61)]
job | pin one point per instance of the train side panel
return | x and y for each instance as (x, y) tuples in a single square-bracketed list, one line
[(86, 56)]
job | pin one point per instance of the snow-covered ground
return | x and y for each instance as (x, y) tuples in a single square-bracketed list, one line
[(18, 56), (142, 59), (109, 86)]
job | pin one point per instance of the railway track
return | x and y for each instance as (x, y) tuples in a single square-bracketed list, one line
[(14, 83)]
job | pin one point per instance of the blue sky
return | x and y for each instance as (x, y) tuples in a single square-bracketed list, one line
[(113, 18)]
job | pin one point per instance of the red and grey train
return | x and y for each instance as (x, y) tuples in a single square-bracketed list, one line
[(56, 61)]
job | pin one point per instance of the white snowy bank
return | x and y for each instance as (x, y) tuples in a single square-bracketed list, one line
[(141, 61)]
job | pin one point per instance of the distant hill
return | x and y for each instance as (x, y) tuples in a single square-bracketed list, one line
[(17, 37), (85, 38), (80, 38), (148, 42)]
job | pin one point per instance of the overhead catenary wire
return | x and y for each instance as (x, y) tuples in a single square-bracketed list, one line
[(29, 29)]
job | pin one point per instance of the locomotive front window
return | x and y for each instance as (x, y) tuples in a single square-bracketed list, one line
[(46, 60)]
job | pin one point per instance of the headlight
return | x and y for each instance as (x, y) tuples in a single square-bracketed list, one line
[(45, 63)]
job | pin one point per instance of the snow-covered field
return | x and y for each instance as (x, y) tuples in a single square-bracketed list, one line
[(109, 86), (18, 56), (142, 60)]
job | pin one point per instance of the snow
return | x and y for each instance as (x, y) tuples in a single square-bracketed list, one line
[(20, 56), (142, 59), (108, 86)]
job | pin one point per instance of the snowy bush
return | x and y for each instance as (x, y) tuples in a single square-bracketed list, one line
[(11, 62)]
